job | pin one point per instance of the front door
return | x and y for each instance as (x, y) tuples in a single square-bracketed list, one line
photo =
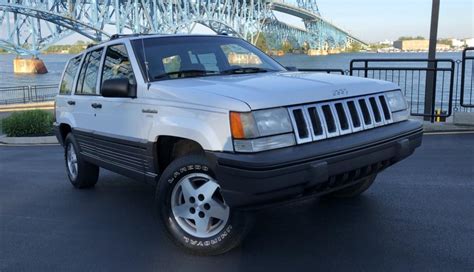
[(121, 126)]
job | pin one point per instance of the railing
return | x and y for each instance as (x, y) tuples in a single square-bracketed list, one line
[(410, 75), (467, 78), (28, 94)]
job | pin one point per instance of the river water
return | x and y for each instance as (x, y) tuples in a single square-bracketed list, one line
[(55, 64)]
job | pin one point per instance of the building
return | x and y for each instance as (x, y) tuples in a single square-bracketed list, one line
[(469, 42), (412, 45), (456, 43), (418, 45)]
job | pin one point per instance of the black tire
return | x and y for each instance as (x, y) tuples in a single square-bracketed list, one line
[(237, 226), (354, 190), (87, 173)]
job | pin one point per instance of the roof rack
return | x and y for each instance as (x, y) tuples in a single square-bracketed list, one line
[(118, 36)]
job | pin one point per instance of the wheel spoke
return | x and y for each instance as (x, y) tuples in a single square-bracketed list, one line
[(218, 210), (202, 225), (208, 189), (183, 211), (187, 189)]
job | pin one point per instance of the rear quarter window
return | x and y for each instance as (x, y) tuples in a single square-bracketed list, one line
[(69, 76)]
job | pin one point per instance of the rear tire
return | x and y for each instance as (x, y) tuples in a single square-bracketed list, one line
[(193, 210), (354, 190), (81, 174)]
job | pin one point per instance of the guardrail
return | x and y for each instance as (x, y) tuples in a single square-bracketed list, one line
[(27, 94), (410, 75), (467, 78)]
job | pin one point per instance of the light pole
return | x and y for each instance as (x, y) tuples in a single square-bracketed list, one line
[(430, 97)]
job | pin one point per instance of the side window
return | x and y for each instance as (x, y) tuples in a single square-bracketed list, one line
[(89, 72), (69, 75), (117, 64)]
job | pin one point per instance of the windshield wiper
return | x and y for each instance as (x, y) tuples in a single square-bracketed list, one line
[(165, 75), (245, 70)]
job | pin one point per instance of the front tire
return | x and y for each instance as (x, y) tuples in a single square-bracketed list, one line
[(193, 210), (82, 174)]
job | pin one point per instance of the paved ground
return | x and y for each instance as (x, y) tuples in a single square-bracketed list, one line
[(419, 216)]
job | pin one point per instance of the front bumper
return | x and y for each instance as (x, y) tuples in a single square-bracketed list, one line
[(253, 180)]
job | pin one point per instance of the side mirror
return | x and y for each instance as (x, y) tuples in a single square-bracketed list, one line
[(118, 87), (291, 68)]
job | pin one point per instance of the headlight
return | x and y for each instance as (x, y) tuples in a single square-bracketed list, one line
[(398, 105), (253, 131), (396, 101)]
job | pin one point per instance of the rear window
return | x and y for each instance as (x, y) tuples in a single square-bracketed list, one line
[(69, 75)]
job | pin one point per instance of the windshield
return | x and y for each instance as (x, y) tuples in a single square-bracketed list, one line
[(177, 57)]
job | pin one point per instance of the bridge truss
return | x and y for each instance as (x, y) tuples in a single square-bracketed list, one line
[(29, 26)]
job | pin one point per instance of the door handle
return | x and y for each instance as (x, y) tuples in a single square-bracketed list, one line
[(72, 103), (96, 105)]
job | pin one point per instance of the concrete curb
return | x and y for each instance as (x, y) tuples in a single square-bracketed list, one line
[(28, 140), (446, 127)]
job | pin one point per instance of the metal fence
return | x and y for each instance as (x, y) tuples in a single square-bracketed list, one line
[(28, 94), (453, 88), (411, 76), (467, 78)]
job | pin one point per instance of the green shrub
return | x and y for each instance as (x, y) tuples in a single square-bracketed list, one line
[(28, 123)]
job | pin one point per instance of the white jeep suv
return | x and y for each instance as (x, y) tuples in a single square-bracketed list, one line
[(221, 128)]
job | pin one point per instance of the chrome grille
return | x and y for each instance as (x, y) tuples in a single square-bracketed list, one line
[(340, 117)]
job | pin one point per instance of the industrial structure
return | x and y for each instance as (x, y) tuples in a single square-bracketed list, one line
[(30, 26)]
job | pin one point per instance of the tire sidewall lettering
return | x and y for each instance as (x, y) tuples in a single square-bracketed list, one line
[(182, 170), (205, 243)]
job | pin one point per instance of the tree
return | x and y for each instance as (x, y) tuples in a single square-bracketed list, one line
[(286, 47), (261, 42), (404, 38), (355, 47)]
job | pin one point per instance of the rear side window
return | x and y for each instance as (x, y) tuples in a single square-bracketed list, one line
[(69, 75), (117, 64), (87, 83)]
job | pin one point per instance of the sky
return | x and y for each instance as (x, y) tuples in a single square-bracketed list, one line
[(377, 20)]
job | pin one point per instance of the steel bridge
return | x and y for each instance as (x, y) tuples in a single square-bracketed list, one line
[(30, 26)]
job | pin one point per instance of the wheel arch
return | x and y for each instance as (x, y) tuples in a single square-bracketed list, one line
[(64, 130), (169, 148)]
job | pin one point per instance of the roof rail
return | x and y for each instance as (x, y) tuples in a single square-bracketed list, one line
[(118, 36)]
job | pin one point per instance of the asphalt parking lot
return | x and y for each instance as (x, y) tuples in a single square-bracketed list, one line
[(418, 216)]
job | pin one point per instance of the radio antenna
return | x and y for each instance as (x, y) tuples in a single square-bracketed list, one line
[(146, 63)]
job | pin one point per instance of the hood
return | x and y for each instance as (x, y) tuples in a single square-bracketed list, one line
[(268, 90)]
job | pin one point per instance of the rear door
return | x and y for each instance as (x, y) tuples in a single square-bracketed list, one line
[(87, 91), (65, 103)]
